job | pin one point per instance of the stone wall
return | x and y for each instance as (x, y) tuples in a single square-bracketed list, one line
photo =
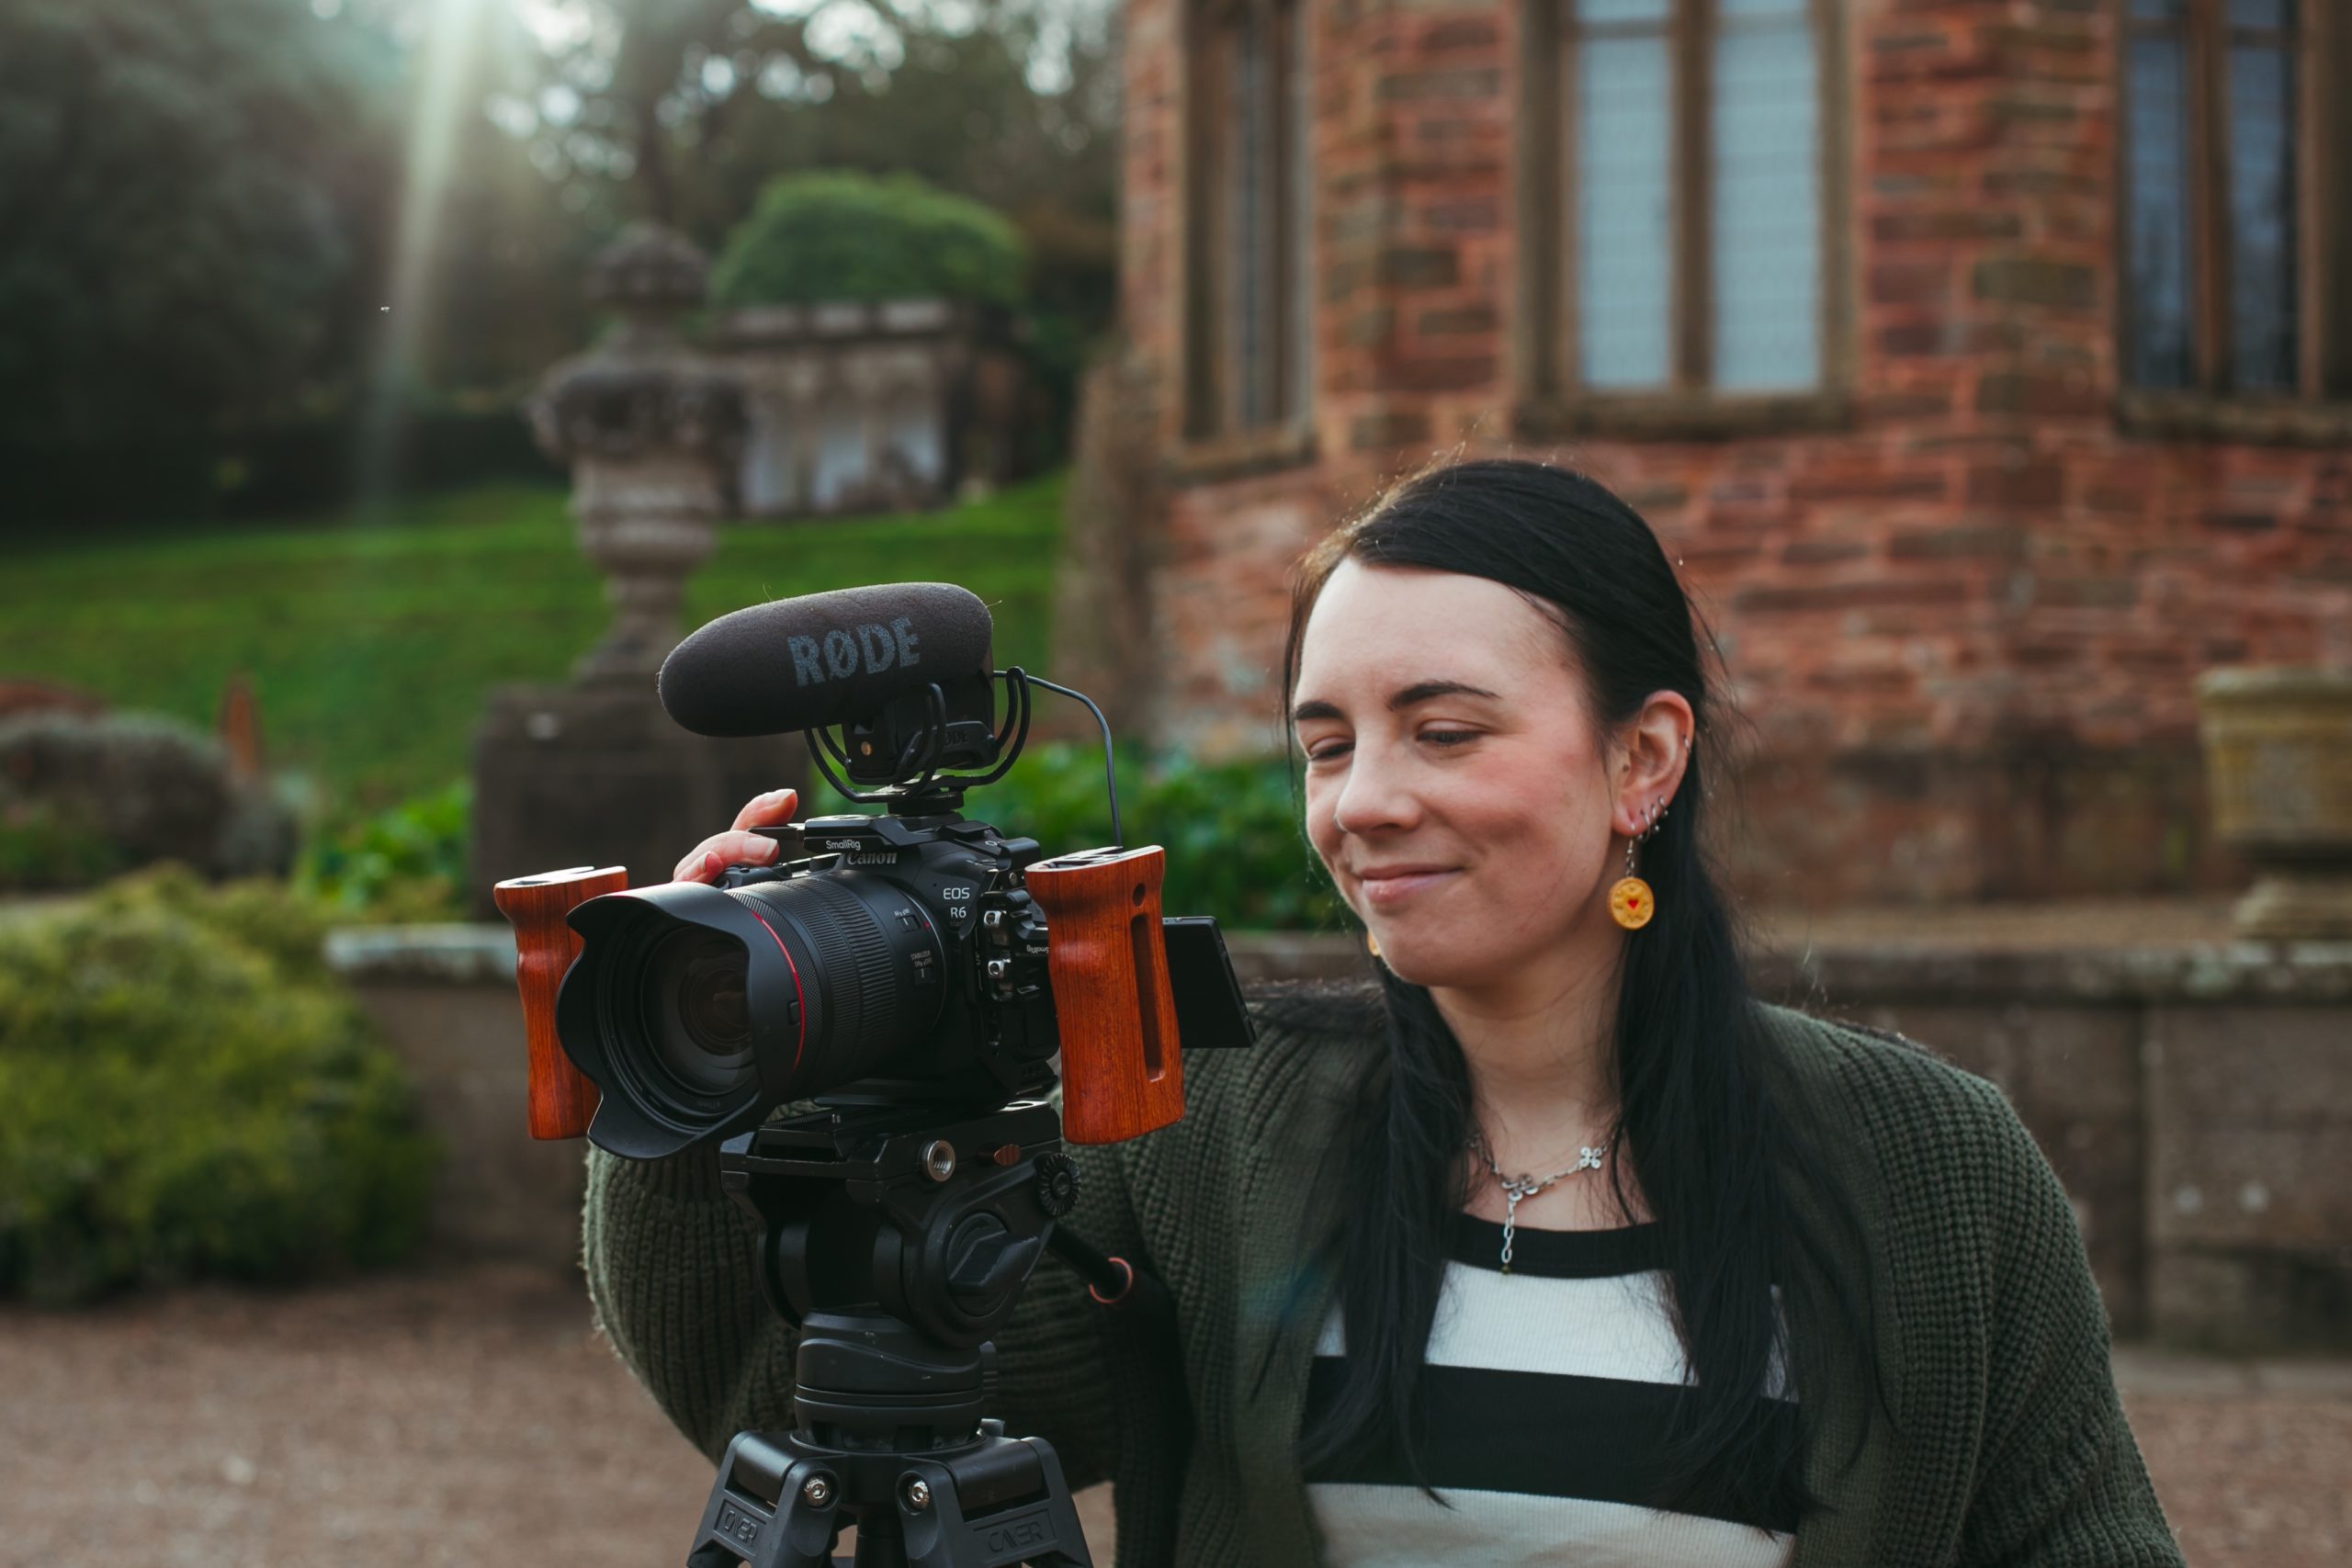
[(1963, 593), (854, 407), (2196, 1098), (443, 997)]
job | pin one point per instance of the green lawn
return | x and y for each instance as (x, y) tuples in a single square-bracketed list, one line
[(370, 644)]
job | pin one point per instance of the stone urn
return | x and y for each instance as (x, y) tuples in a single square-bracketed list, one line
[(2279, 756), (651, 428), (593, 771)]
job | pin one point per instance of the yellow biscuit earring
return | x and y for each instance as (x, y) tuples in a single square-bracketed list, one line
[(1631, 902)]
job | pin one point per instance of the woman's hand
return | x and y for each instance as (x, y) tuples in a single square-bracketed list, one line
[(739, 845)]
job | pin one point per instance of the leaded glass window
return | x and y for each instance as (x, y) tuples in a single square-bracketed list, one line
[(2215, 235), (1246, 331), (1686, 147)]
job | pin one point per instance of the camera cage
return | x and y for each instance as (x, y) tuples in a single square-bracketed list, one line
[(1112, 966)]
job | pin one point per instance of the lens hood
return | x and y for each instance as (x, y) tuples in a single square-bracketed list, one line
[(621, 1018)]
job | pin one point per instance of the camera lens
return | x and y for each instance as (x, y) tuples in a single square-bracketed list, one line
[(697, 1009)]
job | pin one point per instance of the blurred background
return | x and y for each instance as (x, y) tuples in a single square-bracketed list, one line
[(386, 385)]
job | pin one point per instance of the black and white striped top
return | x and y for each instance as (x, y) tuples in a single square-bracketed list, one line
[(1548, 1392)]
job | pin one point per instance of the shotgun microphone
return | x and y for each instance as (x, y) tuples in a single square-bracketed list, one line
[(825, 658)]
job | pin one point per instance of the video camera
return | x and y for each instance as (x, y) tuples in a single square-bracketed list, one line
[(917, 974), (911, 957)]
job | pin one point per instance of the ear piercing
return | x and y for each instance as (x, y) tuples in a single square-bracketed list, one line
[(1631, 902)]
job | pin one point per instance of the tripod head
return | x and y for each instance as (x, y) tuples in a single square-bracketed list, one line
[(896, 1244)]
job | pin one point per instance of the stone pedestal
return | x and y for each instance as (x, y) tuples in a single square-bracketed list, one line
[(599, 775), (647, 522), (2278, 746)]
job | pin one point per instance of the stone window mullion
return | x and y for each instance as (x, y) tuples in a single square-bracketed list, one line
[(1692, 49)]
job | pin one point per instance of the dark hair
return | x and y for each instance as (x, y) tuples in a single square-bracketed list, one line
[(1703, 1118)]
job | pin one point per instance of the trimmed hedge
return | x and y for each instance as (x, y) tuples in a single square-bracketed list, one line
[(189, 1093), (816, 238)]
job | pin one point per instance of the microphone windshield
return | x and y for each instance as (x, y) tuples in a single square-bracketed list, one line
[(825, 658)]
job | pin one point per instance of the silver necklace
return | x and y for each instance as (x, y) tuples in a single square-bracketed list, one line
[(1515, 1188)]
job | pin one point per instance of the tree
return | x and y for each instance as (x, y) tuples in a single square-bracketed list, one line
[(205, 204), (188, 209), (695, 103), (682, 110)]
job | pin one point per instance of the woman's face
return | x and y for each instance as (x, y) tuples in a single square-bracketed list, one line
[(1457, 787)]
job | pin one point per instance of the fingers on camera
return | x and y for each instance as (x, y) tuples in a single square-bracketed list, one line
[(718, 853), (776, 805), (739, 845)]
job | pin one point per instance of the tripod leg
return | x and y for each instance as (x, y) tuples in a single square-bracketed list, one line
[(1021, 1509), (881, 1539), (767, 1509)]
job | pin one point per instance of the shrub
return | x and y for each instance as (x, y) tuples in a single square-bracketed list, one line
[(82, 798), (819, 237), (52, 844), (1231, 829), (187, 1093), (405, 864)]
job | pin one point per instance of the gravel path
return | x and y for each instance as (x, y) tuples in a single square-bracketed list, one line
[(469, 1417), (466, 1419)]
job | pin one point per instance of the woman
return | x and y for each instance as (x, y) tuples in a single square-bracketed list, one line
[(1557, 1246)]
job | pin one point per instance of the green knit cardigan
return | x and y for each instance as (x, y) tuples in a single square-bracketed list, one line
[(2008, 1444)]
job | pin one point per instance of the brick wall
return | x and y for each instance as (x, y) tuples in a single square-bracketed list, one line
[(1963, 600)]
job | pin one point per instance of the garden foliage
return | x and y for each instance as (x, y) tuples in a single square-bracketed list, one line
[(189, 1093), (404, 863)]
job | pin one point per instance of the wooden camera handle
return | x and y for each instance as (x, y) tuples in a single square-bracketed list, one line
[(561, 1097), (1121, 1074)]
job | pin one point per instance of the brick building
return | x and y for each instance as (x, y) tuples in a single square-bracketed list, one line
[(1986, 366)]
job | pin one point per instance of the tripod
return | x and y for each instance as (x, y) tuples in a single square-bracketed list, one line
[(897, 1246)]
